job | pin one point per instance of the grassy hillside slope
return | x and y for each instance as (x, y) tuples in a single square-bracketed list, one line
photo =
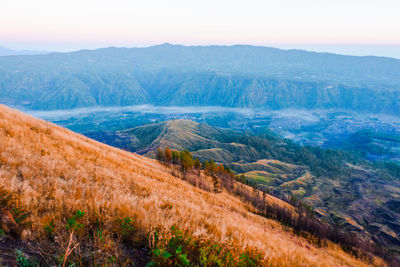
[(344, 190), (55, 173)]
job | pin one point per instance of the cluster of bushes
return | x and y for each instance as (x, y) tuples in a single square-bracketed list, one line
[(189, 165), (183, 158), (177, 248), (302, 221)]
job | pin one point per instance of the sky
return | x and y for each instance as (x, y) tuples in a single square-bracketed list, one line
[(342, 26)]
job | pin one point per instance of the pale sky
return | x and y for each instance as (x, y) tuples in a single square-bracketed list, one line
[(74, 24)]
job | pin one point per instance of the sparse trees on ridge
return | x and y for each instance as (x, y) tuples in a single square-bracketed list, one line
[(197, 164), (175, 157), (160, 155), (168, 155), (218, 173), (186, 161)]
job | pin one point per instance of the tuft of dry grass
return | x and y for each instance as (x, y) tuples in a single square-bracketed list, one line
[(56, 172)]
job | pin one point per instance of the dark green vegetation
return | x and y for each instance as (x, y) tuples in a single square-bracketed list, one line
[(234, 76), (373, 145), (341, 187), (181, 249)]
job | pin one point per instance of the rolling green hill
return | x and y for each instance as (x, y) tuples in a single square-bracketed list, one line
[(341, 187)]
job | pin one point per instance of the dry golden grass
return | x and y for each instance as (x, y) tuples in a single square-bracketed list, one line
[(55, 171)]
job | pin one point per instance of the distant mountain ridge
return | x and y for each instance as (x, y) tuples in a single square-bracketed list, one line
[(234, 76), (11, 52)]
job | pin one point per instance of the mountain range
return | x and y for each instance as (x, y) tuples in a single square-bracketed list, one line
[(10, 52), (232, 76)]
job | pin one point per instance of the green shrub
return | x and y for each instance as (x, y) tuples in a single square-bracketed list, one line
[(246, 259), (24, 261), (170, 252), (9, 204), (72, 222), (49, 228), (127, 227), (177, 248)]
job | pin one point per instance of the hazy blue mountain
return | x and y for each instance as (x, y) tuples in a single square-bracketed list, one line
[(234, 76), (10, 52)]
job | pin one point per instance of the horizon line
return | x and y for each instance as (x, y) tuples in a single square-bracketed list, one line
[(283, 47)]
